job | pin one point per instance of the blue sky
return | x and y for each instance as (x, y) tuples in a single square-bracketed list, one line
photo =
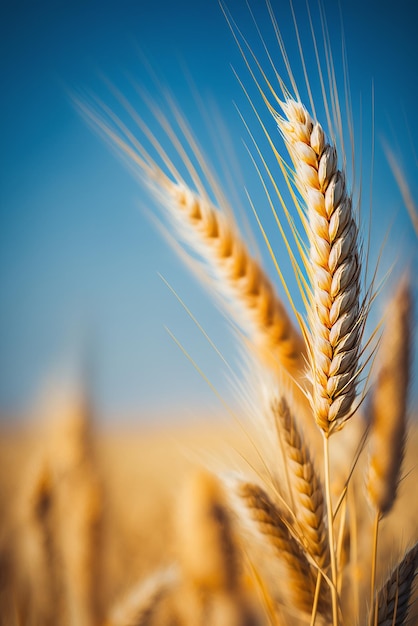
[(79, 260)]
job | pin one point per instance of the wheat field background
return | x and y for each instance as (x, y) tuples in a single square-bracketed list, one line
[(294, 503), (140, 473)]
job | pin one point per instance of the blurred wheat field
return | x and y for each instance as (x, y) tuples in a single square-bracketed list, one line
[(302, 508), (140, 474)]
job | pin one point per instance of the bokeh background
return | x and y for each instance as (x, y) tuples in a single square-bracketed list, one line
[(80, 292)]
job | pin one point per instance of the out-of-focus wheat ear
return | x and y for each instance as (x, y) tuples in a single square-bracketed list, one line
[(394, 598), (38, 572), (389, 411), (79, 509), (306, 488), (300, 579), (389, 402), (207, 550), (335, 315), (138, 607), (212, 590)]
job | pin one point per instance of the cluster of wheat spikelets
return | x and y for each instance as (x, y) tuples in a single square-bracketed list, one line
[(297, 540)]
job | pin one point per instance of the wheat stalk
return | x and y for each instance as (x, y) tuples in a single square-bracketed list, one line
[(335, 316)]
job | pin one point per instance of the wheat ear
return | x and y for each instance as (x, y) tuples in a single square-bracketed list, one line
[(388, 412), (79, 509), (243, 275), (301, 578), (213, 235), (394, 597), (207, 549), (212, 591), (389, 402), (138, 606), (305, 485), (335, 316), (38, 543)]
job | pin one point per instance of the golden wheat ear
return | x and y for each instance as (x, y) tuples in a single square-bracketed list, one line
[(298, 583), (335, 316), (211, 232), (395, 596), (263, 315), (306, 495)]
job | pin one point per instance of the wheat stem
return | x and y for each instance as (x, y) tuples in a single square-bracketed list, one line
[(340, 542), (333, 561), (373, 594), (354, 556), (316, 599)]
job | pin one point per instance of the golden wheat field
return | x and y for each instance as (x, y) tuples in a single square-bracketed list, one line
[(101, 505), (299, 509)]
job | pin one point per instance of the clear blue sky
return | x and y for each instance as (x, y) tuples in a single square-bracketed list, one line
[(78, 257)]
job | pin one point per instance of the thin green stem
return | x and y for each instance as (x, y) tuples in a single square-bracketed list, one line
[(330, 516)]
